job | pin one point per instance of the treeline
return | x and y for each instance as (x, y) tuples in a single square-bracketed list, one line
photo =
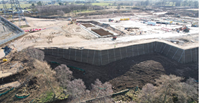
[(190, 3), (178, 3), (62, 9)]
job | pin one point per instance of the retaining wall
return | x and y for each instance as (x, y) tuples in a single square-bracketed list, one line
[(102, 57)]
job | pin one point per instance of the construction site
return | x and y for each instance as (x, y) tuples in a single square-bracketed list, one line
[(126, 51)]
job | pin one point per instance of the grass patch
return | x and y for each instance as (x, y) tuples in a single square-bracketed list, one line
[(47, 97), (9, 5)]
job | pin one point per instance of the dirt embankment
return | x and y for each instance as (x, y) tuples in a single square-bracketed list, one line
[(130, 72), (107, 26)]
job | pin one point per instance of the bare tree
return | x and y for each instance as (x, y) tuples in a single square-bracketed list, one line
[(147, 94), (189, 91), (170, 89), (101, 90), (60, 13), (76, 89), (63, 74)]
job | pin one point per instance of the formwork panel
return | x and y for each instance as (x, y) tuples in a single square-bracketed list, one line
[(112, 54), (172, 51), (188, 56), (135, 50), (91, 56), (177, 55), (195, 54), (140, 49), (78, 55), (47, 50), (166, 49), (158, 45), (66, 53), (59, 52), (129, 51), (118, 54), (151, 47), (85, 54), (104, 56), (123, 52), (146, 49), (161, 47)]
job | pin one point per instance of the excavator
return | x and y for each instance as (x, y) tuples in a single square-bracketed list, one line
[(73, 21), (8, 50)]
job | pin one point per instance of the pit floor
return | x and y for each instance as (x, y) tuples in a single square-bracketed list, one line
[(129, 72)]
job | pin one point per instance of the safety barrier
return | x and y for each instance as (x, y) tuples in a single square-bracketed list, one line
[(6, 92), (21, 97), (34, 30), (76, 68)]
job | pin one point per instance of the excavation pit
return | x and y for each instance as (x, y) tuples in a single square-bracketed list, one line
[(88, 25), (102, 32)]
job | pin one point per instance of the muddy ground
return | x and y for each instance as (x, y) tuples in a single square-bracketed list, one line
[(129, 72), (101, 32)]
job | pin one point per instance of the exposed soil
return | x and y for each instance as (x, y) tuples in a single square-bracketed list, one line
[(107, 26), (88, 25), (101, 32), (129, 72)]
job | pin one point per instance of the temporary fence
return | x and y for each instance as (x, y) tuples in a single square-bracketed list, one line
[(34, 30)]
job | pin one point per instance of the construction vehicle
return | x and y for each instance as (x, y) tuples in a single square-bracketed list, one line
[(8, 50), (196, 24), (73, 21), (110, 20), (185, 28), (124, 19), (114, 37)]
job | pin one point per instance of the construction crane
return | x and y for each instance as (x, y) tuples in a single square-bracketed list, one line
[(16, 9)]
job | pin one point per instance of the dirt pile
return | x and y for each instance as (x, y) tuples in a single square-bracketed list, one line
[(130, 72)]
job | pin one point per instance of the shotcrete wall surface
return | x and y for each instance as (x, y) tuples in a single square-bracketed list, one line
[(102, 57)]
